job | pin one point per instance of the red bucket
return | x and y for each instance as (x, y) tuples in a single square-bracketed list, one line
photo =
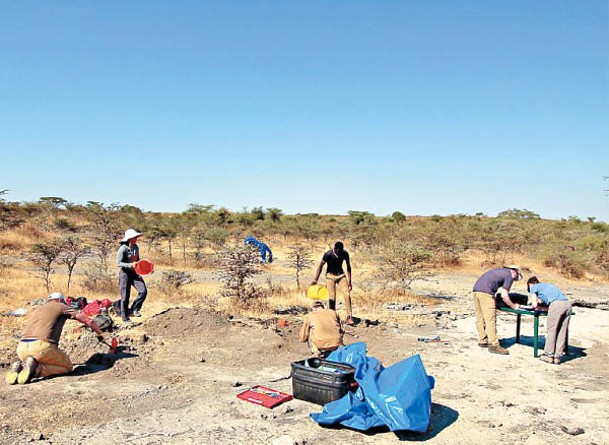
[(144, 267)]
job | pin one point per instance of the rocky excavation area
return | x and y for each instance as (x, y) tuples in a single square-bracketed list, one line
[(176, 374)]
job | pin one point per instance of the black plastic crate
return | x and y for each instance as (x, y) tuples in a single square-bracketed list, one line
[(321, 381)]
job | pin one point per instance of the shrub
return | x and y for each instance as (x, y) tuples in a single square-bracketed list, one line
[(237, 266), (97, 281), (176, 279), (402, 263), (567, 261)]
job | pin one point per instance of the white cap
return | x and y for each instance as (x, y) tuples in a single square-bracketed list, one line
[(56, 296)]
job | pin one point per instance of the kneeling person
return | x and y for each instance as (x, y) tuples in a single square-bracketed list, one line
[(39, 355), (323, 330)]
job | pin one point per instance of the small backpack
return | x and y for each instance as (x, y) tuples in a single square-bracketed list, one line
[(104, 322)]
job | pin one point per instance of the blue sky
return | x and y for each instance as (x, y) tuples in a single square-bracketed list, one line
[(424, 107)]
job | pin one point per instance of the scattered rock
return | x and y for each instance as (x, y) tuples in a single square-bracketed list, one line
[(398, 306), (291, 310), (603, 305), (535, 410), (237, 384), (439, 314), (575, 431)]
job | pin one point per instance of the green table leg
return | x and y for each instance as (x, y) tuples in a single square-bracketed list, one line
[(518, 328), (535, 335)]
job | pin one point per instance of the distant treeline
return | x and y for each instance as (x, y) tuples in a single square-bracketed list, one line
[(572, 246)]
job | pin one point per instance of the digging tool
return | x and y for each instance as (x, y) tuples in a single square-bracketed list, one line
[(112, 345)]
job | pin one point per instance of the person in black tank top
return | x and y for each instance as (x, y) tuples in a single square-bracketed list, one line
[(336, 276)]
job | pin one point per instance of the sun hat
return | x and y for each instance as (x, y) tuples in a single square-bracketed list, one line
[(56, 296), (130, 234), (517, 269)]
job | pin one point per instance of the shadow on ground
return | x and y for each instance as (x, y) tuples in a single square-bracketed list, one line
[(102, 361), (574, 352), (441, 418)]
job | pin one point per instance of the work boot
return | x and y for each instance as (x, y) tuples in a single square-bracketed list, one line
[(28, 372), (136, 313), (498, 350), (11, 376), (350, 321)]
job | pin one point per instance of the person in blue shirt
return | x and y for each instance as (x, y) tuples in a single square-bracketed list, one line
[(266, 256), (559, 314)]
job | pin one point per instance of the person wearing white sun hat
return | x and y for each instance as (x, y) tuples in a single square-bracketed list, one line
[(126, 258)]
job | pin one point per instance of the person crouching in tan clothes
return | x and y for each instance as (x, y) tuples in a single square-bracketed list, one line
[(39, 355), (323, 330)]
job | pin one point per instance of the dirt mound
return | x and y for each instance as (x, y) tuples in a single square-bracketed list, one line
[(181, 321)]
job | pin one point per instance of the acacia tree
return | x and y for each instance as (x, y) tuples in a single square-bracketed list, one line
[(299, 258), (105, 226), (43, 256), (274, 214), (54, 202), (72, 250), (403, 262), (198, 241)]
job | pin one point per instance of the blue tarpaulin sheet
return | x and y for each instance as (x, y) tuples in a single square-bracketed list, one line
[(265, 251), (398, 397)]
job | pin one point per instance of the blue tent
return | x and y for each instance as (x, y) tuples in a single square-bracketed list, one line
[(264, 249), (398, 397)]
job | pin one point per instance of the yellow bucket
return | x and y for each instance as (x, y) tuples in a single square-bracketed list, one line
[(317, 292)]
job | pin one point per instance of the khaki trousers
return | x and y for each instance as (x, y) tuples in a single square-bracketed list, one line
[(486, 318), (334, 281), (51, 360), (559, 315), (317, 352)]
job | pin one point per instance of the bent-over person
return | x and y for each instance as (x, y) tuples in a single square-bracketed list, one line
[(559, 314), (490, 283)]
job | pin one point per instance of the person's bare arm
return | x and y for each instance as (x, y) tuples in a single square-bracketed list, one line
[(533, 301), (318, 272), (304, 330), (88, 322), (505, 296), (348, 274)]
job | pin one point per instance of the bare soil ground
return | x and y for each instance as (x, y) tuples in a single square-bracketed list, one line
[(176, 375)]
